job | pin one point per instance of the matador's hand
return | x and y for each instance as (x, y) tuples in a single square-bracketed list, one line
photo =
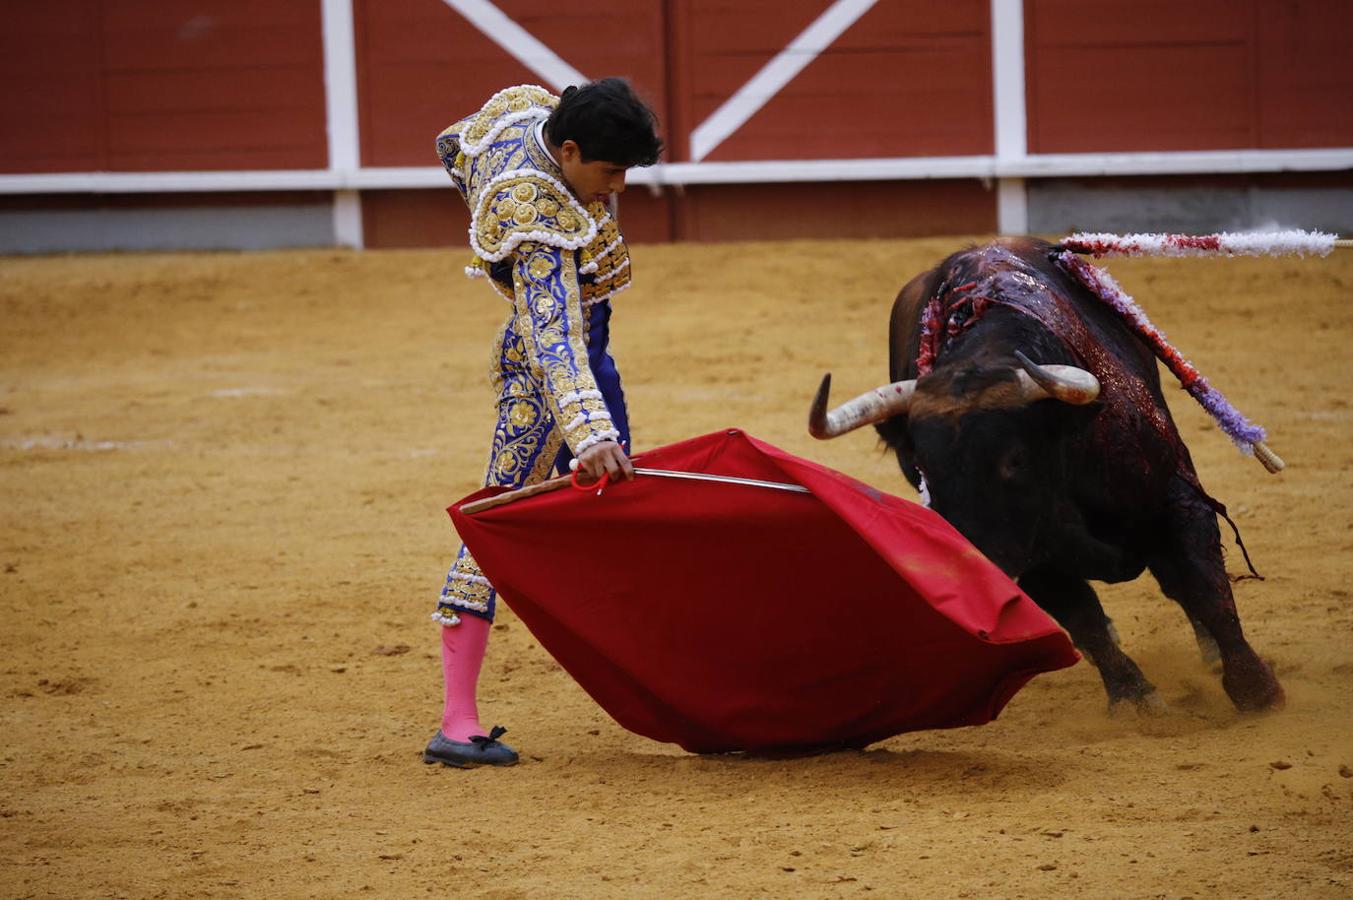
[(607, 458)]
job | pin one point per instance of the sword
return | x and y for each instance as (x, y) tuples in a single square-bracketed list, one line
[(724, 479)]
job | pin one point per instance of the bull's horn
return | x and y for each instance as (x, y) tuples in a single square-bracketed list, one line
[(875, 406), (1066, 383)]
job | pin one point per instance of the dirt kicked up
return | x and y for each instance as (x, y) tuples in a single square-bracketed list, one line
[(222, 533)]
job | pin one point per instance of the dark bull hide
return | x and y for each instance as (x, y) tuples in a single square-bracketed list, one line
[(1036, 420)]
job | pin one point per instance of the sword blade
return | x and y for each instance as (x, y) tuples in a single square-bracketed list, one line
[(724, 479)]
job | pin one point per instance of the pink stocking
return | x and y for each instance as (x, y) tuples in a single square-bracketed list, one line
[(462, 654)]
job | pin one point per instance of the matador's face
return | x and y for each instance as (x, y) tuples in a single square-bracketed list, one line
[(590, 181)]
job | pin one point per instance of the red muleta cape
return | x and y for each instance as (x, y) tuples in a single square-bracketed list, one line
[(729, 617)]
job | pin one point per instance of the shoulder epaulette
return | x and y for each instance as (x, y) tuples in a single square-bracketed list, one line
[(527, 205)]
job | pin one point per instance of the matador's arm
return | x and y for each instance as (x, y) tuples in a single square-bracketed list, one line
[(549, 317)]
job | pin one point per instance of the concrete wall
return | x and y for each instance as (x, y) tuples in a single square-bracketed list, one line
[(165, 224), (1238, 203)]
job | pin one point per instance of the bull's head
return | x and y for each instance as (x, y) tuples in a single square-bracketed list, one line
[(1066, 383), (991, 452)]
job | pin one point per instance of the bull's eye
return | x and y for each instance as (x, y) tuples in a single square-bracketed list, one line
[(1013, 463)]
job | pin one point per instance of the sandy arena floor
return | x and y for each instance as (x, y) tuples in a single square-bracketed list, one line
[(222, 534)]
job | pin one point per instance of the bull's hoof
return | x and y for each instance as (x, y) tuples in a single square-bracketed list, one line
[(1149, 704), (1259, 692)]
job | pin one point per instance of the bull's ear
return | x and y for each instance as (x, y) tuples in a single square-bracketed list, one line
[(894, 432)]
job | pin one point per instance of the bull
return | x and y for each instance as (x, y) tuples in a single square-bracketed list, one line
[(1032, 419)]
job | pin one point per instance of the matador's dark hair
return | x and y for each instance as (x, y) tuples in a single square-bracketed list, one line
[(607, 121)]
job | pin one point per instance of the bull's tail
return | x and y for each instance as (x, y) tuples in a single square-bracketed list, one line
[(1220, 509)]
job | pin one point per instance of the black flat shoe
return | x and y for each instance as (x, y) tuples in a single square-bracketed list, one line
[(479, 750)]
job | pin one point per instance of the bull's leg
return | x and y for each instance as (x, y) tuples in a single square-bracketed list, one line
[(1189, 567), (1073, 603)]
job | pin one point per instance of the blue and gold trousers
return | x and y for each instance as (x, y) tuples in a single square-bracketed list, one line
[(528, 446)]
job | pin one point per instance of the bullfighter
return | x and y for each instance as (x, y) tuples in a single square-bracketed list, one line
[(539, 174)]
